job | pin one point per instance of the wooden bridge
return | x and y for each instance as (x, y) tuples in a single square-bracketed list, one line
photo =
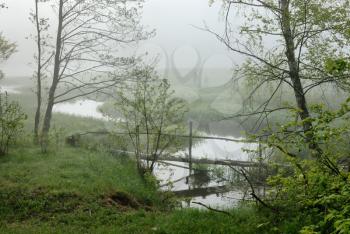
[(222, 162), (190, 159)]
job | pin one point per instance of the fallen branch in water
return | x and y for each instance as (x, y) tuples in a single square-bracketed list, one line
[(212, 209), (253, 193), (184, 167), (104, 132)]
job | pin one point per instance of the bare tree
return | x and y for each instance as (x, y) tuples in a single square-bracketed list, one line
[(86, 59), (286, 44), (43, 58)]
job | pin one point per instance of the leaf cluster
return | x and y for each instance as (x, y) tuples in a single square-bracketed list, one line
[(11, 123), (307, 189)]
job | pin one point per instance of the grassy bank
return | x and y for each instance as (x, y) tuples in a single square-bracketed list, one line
[(85, 190), (78, 191)]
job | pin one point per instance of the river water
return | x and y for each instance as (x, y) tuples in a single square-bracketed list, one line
[(173, 177), (83, 108), (211, 149)]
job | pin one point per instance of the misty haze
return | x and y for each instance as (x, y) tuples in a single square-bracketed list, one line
[(164, 116)]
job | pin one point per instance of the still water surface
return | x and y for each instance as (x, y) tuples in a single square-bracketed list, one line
[(211, 149), (84, 108)]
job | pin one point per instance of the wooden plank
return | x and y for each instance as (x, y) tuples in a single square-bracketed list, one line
[(170, 135), (211, 161), (190, 150), (202, 192), (199, 161)]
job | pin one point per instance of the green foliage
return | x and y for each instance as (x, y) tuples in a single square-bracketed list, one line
[(337, 65), (150, 114), (11, 122), (71, 194), (340, 67), (72, 170), (6, 48), (314, 187), (104, 220), (309, 31)]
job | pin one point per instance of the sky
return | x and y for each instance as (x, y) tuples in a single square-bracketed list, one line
[(173, 20)]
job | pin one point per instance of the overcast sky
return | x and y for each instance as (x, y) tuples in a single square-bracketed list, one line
[(172, 19)]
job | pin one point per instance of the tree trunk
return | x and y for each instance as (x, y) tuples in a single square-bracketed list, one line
[(37, 113), (293, 66), (55, 80), (47, 122), (38, 89), (304, 114)]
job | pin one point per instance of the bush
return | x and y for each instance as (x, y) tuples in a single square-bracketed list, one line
[(153, 116), (11, 122), (317, 191)]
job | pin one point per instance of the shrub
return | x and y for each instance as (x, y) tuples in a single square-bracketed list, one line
[(152, 116), (11, 122), (317, 191)]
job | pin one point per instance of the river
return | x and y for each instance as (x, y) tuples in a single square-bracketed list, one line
[(211, 149)]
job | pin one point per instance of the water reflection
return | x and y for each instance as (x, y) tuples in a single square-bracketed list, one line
[(220, 149), (219, 194), (176, 176), (84, 108)]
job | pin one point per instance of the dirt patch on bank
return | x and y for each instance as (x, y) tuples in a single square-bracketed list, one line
[(124, 201)]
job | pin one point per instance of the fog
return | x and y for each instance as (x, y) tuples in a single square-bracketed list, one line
[(173, 20), (174, 116)]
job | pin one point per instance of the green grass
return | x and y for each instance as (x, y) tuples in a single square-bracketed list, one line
[(73, 190), (69, 170), (70, 191), (184, 221)]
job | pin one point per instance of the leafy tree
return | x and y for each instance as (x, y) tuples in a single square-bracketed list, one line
[(88, 36), (308, 190), (11, 115), (11, 122), (43, 57), (6, 50), (151, 116), (340, 66), (298, 45), (286, 44)]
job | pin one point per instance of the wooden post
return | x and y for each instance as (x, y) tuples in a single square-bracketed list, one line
[(190, 150), (260, 157), (138, 158), (261, 167), (189, 156)]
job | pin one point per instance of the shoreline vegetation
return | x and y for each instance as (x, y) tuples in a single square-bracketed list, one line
[(80, 191), (88, 190), (104, 137)]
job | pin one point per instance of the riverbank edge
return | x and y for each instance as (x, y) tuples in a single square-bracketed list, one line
[(75, 191)]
